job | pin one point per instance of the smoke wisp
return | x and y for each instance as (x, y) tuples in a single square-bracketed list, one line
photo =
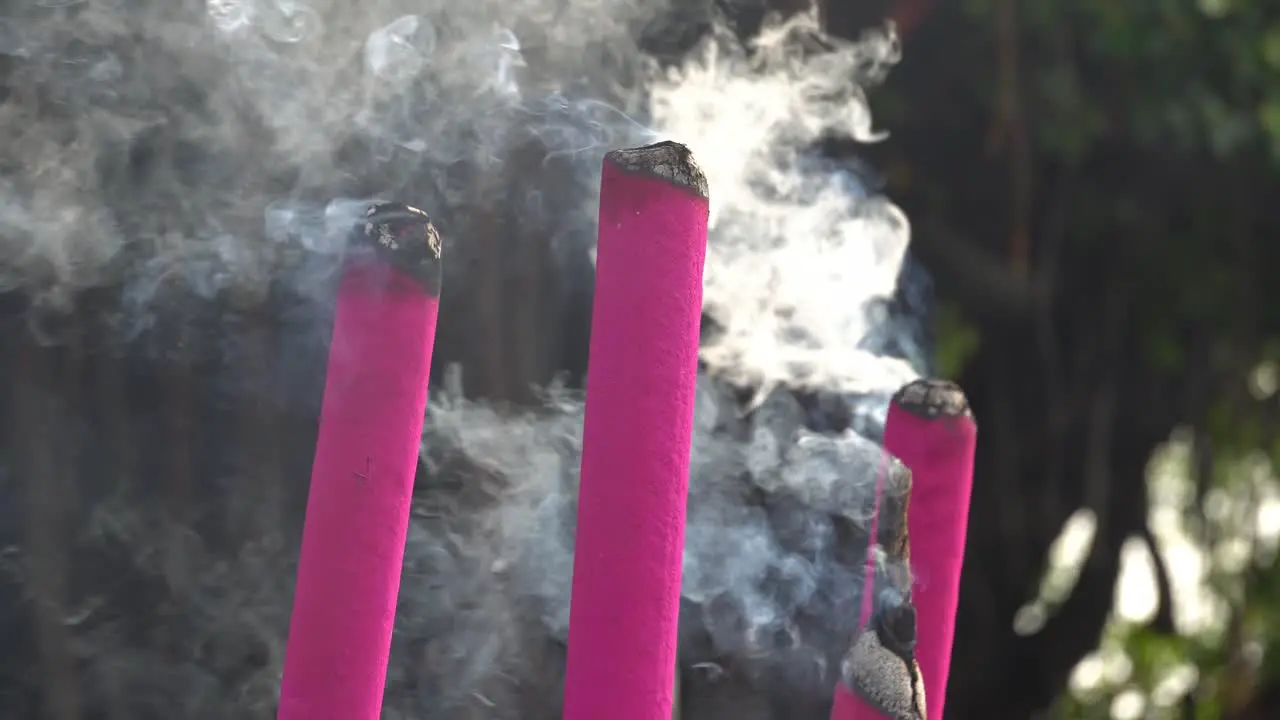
[(175, 164)]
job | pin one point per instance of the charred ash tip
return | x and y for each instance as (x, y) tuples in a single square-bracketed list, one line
[(666, 160), (900, 475), (933, 399), (896, 503), (881, 669), (895, 625), (403, 237)]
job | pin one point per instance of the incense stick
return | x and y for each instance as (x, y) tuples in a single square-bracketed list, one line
[(358, 508), (879, 678), (879, 675), (636, 439), (931, 429)]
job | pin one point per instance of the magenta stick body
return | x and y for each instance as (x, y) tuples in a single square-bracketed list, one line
[(636, 438), (358, 508), (848, 706), (938, 447)]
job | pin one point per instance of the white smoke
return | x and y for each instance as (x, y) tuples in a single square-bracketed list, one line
[(798, 248), (777, 521), (798, 253), (177, 148)]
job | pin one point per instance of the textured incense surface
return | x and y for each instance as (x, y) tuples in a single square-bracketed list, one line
[(357, 516), (636, 441), (881, 670), (666, 160), (931, 429)]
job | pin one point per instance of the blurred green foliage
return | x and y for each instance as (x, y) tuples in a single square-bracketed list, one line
[(1191, 90), (956, 341)]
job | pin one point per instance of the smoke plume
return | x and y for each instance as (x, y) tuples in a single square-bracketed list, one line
[(178, 175)]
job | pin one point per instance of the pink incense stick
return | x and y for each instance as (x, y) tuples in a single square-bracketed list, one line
[(879, 675), (636, 440), (358, 510), (931, 429)]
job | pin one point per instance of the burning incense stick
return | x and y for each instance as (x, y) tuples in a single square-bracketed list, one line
[(879, 675), (358, 510), (931, 429), (636, 440)]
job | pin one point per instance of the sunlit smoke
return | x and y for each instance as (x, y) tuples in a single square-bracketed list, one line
[(218, 151), (798, 248), (149, 140)]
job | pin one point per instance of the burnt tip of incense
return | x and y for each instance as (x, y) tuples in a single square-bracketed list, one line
[(899, 476), (666, 160), (892, 530), (933, 399), (880, 667), (895, 627), (404, 237)]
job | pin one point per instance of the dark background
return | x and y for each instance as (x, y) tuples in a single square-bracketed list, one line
[(1090, 184)]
